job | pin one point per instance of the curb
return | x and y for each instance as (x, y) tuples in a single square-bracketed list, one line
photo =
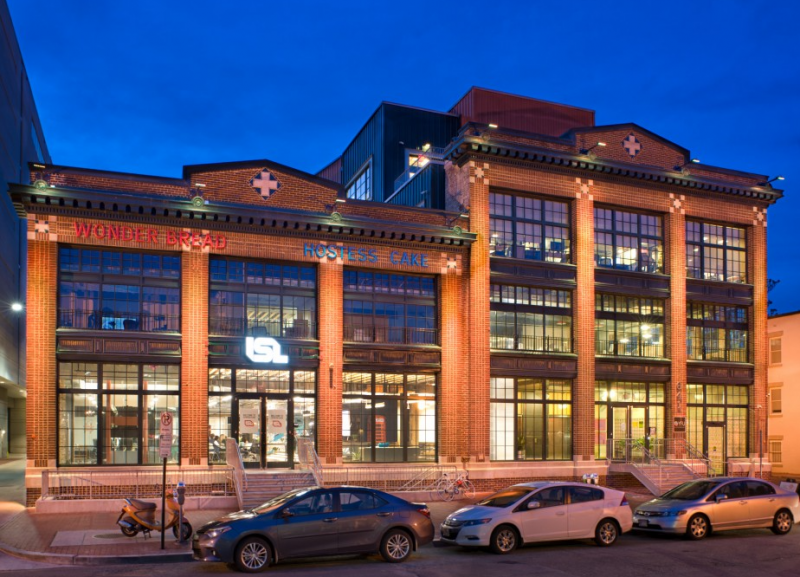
[(89, 560)]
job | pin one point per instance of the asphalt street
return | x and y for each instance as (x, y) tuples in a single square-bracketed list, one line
[(736, 554)]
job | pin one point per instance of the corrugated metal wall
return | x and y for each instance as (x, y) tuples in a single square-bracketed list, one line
[(333, 171), (429, 181)]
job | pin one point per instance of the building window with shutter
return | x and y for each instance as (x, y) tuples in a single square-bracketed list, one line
[(775, 452), (775, 401), (775, 351)]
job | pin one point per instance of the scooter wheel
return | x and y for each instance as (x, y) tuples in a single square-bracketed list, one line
[(129, 531), (186, 530)]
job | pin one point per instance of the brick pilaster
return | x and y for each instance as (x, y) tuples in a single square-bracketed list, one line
[(451, 407), (676, 320), (194, 352), (583, 310), (329, 380), (759, 347), (41, 308)]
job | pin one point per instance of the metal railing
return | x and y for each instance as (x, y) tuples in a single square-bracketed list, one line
[(537, 344), (66, 485), (292, 329), (432, 155), (108, 320), (398, 335), (233, 458), (390, 477), (309, 459), (660, 453)]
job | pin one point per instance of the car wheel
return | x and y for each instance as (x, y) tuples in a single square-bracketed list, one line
[(782, 523), (504, 540), (606, 533), (396, 546), (698, 527), (252, 555)]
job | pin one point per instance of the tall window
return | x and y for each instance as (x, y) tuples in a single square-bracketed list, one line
[(629, 326), (776, 400), (388, 417), (717, 412), (530, 419), (262, 299), (112, 290), (530, 228), (361, 187), (629, 418), (389, 308), (716, 252), (109, 414), (775, 351), (628, 241), (716, 332), (530, 319), (775, 452)]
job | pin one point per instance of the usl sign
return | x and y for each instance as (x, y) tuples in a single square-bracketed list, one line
[(264, 350)]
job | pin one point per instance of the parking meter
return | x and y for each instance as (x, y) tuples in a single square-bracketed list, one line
[(181, 494)]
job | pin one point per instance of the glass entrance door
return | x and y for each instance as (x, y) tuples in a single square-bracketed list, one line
[(628, 433), (619, 433), (263, 432), (715, 442)]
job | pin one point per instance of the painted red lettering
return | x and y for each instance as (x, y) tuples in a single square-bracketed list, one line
[(186, 238), (125, 233), (152, 235), (195, 239), (172, 237), (100, 231), (113, 232), (82, 229), (138, 235), (207, 241), (221, 242)]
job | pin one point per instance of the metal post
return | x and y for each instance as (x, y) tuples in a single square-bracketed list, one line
[(163, 499)]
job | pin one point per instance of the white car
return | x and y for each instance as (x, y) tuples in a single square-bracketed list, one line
[(540, 511)]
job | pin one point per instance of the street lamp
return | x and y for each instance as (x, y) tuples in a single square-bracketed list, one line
[(17, 307)]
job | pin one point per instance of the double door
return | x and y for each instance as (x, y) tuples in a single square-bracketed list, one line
[(628, 432), (263, 429)]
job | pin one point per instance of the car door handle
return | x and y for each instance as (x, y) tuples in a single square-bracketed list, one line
[(743, 502), (772, 500), (330, 520), (384, 514), (560, 514)]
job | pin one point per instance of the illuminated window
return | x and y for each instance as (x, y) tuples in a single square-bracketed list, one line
[(529, 228), (629, 326), (628, 241), (530, 319), (716, 333), (716, 252)]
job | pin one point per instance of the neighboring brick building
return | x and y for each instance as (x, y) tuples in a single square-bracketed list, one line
[(779, 441), (570, 305)]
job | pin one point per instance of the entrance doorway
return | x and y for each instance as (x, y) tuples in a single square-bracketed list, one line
[(627, 432), (263, 432), (715, 441)]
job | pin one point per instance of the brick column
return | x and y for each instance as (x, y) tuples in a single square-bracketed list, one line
[(40, 316), (759, 348), (583, 433), (194, 358), (451, 407), (479, 359), (676, 321), (329, 380)]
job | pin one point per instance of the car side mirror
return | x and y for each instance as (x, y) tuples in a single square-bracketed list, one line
[(720, 497), (286, 513), (534, 505)]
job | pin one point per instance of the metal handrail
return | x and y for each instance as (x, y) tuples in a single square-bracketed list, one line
[(109, 320), (233, 458), (309, 459), (432, 155), (109, 484), (660, 452), (390, 477)]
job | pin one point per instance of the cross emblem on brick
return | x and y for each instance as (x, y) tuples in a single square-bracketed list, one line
[(42, 227), (632, 145), (265, 183)]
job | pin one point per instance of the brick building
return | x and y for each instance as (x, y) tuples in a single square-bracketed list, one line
[(538, 297)]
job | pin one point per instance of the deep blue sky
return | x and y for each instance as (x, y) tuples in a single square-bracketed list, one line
[(147, 86)]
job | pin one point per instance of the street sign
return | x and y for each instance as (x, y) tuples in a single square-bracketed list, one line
[(165, 436)]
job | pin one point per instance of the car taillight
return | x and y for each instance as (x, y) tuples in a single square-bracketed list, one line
[(624, 502), (425, 511)]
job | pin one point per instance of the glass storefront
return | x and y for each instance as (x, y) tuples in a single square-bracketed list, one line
[(264, 410), (716, 421), (629, 417), (108, 414), (388, 417)]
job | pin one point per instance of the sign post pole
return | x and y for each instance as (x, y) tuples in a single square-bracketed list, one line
[(165, 446)]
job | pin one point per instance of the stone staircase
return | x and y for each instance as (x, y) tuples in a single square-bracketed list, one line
[(660, 478), (264, 485)]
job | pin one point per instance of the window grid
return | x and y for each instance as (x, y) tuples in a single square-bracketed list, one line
[(716, 252), (629, 326), (530, 319), (529, 228), (628, 241), (716, 332), (361, 188)]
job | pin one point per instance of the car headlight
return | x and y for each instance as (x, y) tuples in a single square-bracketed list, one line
[(477, 522), (216, 532)]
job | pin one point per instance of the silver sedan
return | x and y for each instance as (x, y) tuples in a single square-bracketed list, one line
[(698, 507)]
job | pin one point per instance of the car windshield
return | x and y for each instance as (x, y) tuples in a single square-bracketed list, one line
[(505, 497), (690, 491), (276, 502)]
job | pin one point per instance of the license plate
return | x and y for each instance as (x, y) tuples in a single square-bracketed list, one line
[(642, 523)]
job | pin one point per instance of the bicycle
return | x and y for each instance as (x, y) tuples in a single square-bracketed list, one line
[(448, 488)]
